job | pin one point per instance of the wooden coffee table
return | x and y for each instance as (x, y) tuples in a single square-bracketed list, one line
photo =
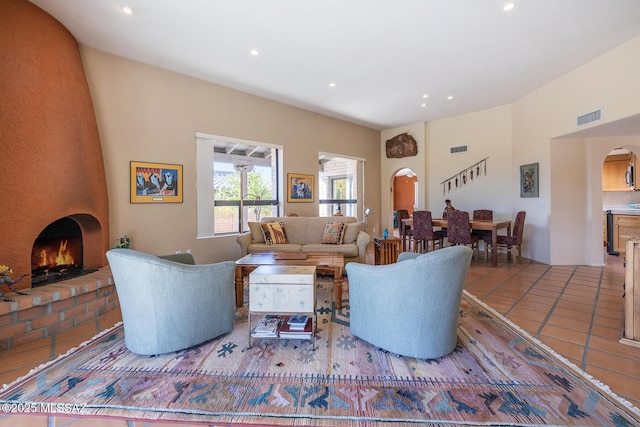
[(322, 260)]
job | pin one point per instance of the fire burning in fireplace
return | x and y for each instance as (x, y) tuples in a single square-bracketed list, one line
[(63, 257), (57, 253)]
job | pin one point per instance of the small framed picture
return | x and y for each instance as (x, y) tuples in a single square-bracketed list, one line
[(156, 183), (529, 180), (299, 188)]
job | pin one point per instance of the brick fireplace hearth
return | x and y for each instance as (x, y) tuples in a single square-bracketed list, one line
[(52, 165)]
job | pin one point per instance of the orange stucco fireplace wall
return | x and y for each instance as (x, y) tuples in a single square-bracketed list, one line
[(51, 163)]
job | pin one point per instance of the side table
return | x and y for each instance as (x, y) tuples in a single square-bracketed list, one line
[(283, 289), (386, 250)]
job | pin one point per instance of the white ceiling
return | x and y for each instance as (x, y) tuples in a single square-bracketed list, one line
[(383, 55)]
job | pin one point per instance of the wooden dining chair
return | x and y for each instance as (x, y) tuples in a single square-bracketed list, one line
[(514, 241), (484, 235), (423, 232), (459, 231), (405, 232)]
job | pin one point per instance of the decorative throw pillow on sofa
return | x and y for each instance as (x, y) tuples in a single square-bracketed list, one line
[(274, 233), (333, 233), (256, 232), (351, 232)]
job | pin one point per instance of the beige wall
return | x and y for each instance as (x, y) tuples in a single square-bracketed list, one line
[(148, 114), (609, 82), (487, 133)]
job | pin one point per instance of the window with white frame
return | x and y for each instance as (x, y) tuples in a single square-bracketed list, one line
[(341, 186), (238, 181)]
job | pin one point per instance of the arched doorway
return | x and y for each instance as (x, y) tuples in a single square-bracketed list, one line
[(404, 194)]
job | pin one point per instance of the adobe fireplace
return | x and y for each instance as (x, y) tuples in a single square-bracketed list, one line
[(52, 164)]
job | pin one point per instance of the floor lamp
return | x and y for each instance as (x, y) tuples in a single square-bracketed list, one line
[(367, 212)]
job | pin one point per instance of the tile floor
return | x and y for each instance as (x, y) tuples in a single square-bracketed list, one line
[(576, 310)]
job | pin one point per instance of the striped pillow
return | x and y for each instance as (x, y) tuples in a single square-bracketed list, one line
[(274, 233)]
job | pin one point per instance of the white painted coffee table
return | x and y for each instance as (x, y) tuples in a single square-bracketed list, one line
[(283, 290)]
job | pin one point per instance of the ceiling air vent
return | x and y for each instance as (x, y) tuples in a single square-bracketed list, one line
[(458, 149), (587, 118)]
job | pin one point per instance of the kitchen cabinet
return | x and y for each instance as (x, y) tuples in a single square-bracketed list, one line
[(625, 227), (631, 333), (614, 172)]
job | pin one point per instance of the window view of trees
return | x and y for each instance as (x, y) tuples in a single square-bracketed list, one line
[(238, 181), (257, 198)]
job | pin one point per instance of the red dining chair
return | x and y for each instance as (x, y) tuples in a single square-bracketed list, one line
[(484, 235), (459, 231), (514, 242), (423, 232)]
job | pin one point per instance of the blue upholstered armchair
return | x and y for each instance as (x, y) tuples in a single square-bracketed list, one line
[(411, 307), (169, 304)]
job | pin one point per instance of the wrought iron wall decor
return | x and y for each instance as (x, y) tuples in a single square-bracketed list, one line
[(465, 176)]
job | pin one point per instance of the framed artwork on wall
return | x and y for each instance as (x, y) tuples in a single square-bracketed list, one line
[(299, 188), (529, 180), (155, 183)]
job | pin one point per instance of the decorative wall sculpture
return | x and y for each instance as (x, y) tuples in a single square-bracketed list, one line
[(403, 145), (465, 176)]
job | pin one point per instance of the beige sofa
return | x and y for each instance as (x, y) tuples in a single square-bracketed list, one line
[(305, 234)]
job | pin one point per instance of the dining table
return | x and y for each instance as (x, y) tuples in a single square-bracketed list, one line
[(476, 224)]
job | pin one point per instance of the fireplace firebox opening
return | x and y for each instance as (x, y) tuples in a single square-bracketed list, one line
[(57, 253)]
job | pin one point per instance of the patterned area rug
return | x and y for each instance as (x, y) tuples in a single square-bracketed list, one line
[(498, 375)]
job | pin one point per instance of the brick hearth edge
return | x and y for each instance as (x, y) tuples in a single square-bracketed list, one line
[(53, 308)]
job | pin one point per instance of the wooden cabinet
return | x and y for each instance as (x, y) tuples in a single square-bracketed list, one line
[(386, 251), (631, 335), (625, 227), (614, 172)]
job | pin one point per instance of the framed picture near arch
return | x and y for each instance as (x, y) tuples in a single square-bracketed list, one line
[(156, 183), (299, 188), (529, 180)]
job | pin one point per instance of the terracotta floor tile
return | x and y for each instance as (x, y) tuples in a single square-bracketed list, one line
[(610, 322), (577, 299), (614, 347), (528, 325), (574, 313), (569, 323), (613, 334), (563, 347), (531, 305), (614, 362), (620, 384), (538, 316), (541, 299), (565, 334), (610, 310)]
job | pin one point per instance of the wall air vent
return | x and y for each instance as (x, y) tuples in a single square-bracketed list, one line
[(587, 118), (458, 149)]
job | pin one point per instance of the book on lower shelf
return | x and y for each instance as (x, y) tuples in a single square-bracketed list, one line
[(267, 327), (289, 330), (298, 321)]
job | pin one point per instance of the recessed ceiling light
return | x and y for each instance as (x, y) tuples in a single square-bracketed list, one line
[(254, 52), (423, 105), (127, 10), (450, 97), (425, 96), (332, 84), (509, 6)]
